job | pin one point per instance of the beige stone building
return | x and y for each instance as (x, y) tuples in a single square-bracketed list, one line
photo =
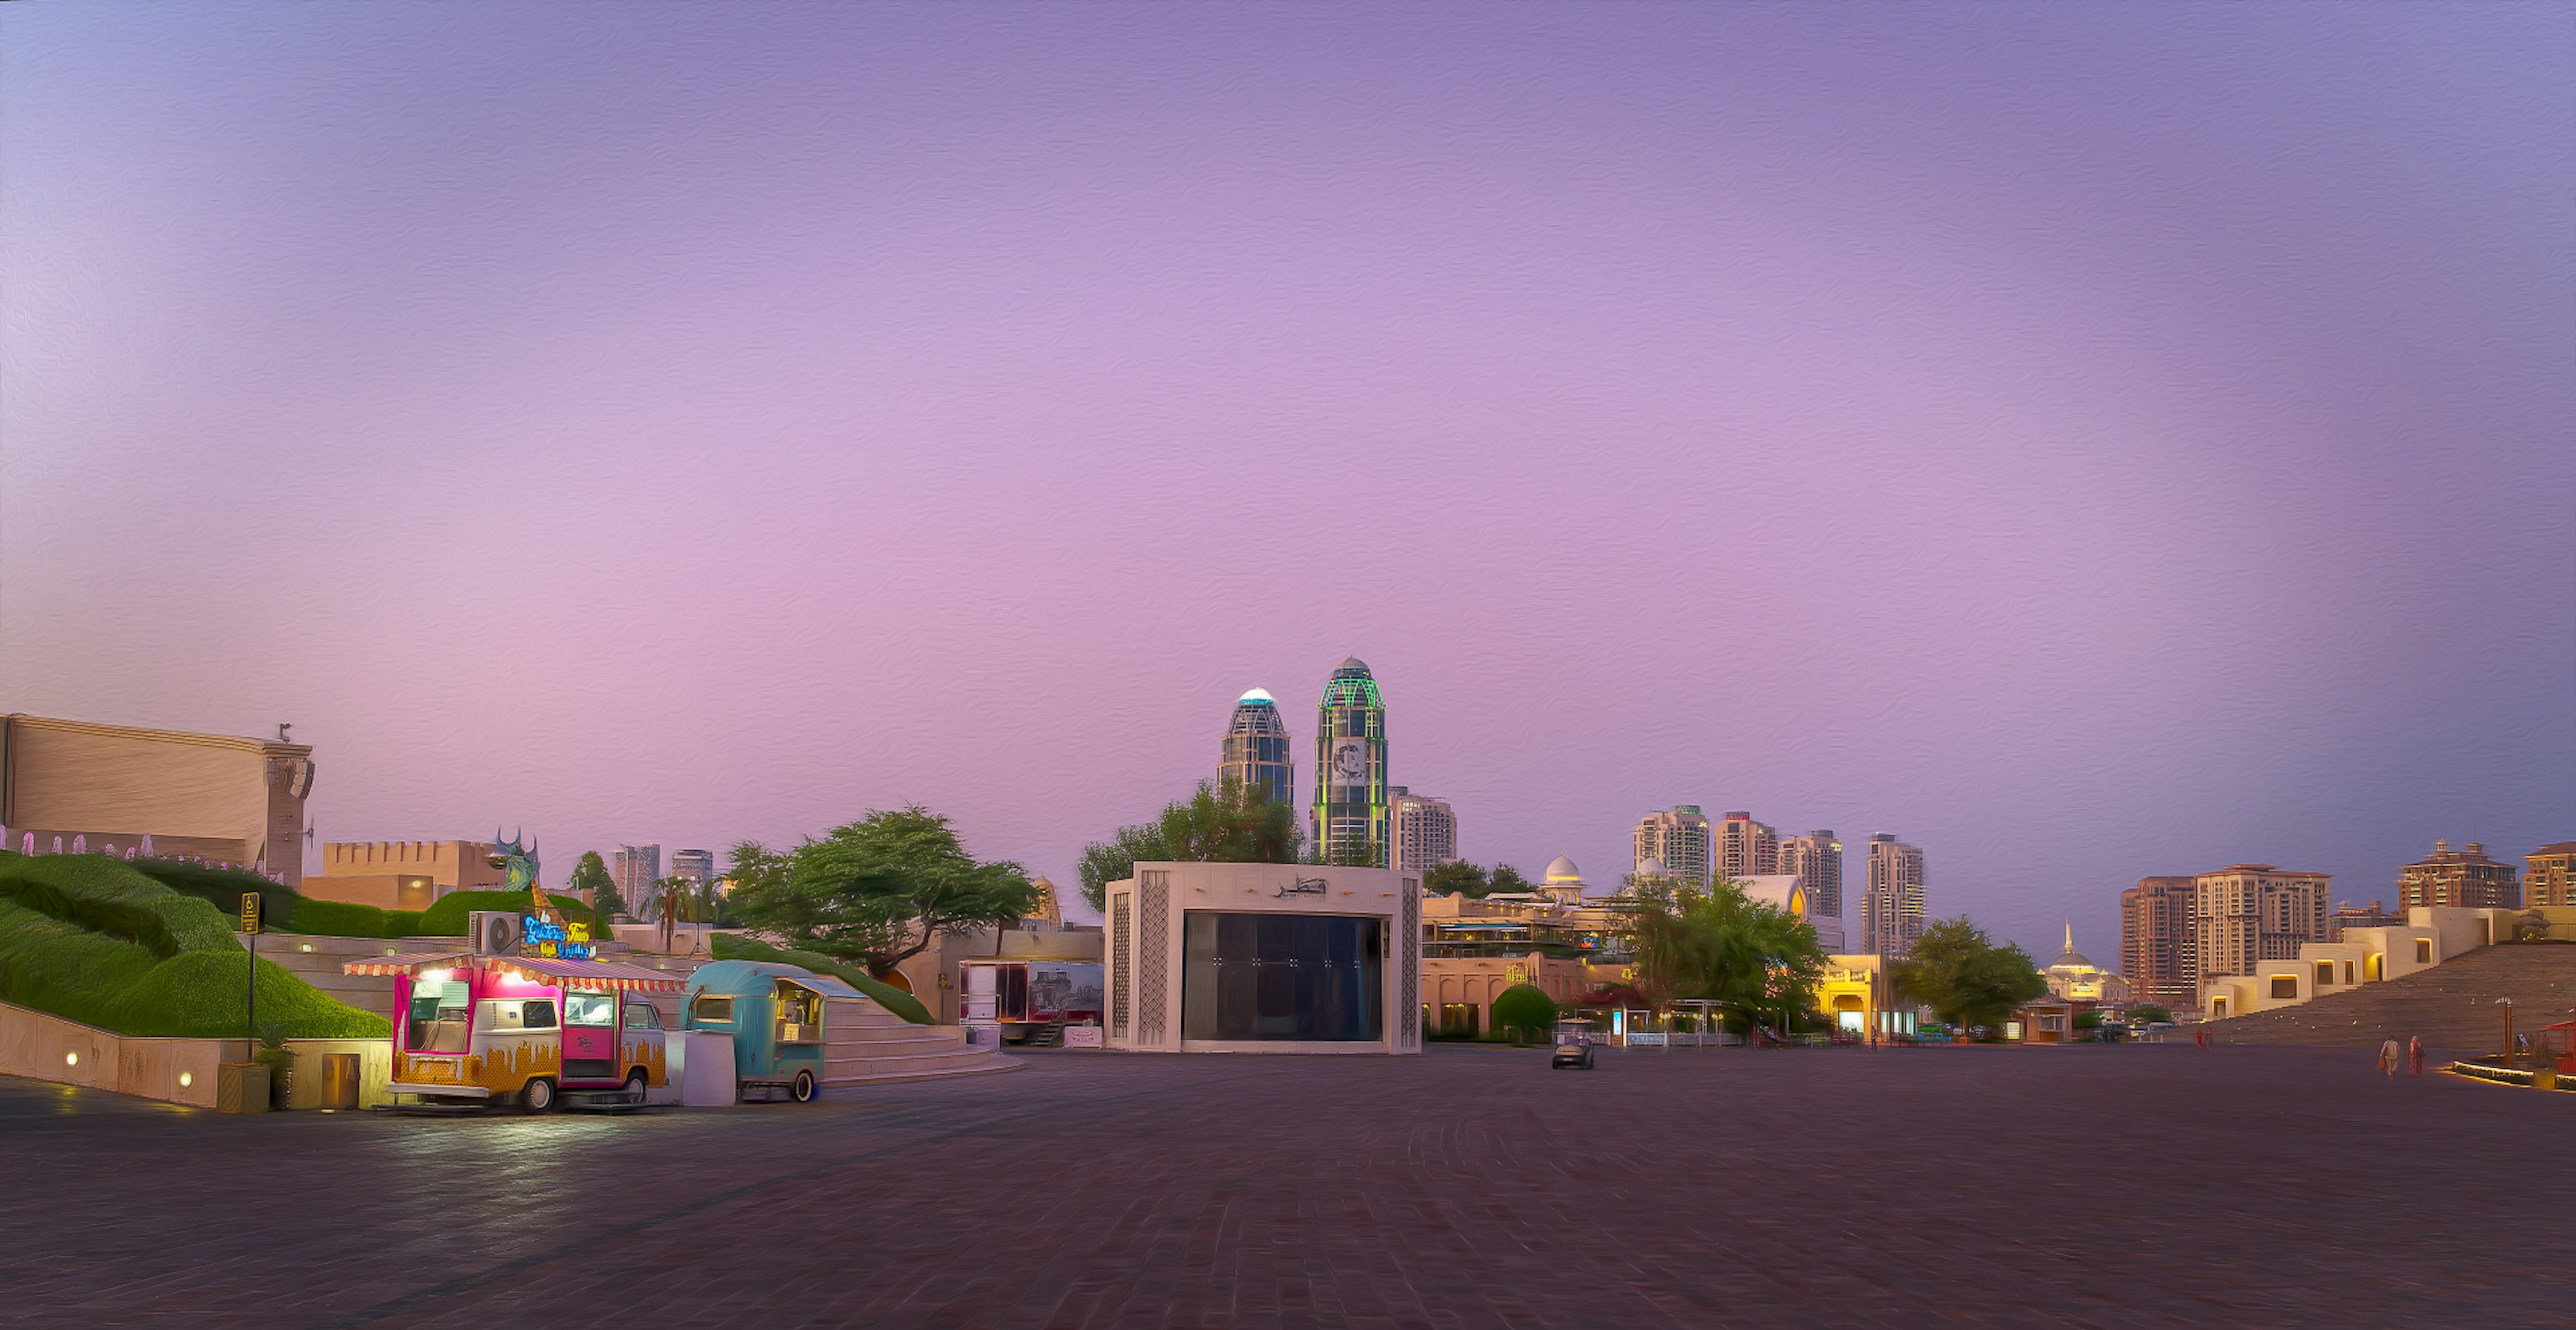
[(1681, 840), (2550, 881), (2245, 914), (2458, 880), (1746, 848), (1424, 829), (403, 874), (2431, 935), (212, 796)]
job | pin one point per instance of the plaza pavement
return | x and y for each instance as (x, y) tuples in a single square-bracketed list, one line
[(1470, 1187)]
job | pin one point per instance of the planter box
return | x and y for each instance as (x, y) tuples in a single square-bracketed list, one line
[(241, 1087)]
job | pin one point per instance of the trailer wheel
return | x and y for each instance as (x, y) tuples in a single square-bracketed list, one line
[(539, 1097), (803, 1089)]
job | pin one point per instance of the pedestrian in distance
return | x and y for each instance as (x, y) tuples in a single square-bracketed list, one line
[(2388, 1058), (2415, 1055)]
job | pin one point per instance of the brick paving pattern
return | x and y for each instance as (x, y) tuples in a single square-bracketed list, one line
[(1471, 1187)]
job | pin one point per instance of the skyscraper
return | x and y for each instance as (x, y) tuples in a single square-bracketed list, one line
[(695, 865), (1746, 848), (2159, 949), (2245, 914), (1816, 860), (1678, 839), (1349, 822), (636, 868), (2463, 879), (1425, 830), (1891, 911), (1255, 753)]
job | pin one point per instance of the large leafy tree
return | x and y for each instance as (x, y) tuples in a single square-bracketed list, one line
[(591, 875), (1507, 878), (1231, 823), (1957, 971), (1754, 960), (877, 891), (1456, 878)]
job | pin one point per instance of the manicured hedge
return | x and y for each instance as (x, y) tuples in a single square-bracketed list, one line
[(218, 887), (446, 918), (735, 947), (57, 966), (347, 919), (103, 895)]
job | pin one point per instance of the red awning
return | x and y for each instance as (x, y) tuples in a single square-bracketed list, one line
[(587, 974), (407, 963)]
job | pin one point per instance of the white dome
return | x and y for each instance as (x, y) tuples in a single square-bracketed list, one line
[(1562, 869), (1652, 867), (1256, 695)]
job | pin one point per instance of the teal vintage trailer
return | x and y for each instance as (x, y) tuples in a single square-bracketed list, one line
[(778, 1015)]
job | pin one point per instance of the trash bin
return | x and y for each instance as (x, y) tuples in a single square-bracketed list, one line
[(241, 1087), (340, 1080)]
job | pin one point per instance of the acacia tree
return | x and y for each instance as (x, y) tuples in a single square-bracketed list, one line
[(877, 891), (1232, 823), (1957, 971), (1717, 944)]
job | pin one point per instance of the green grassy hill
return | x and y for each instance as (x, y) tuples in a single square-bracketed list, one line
[(94, 940), (730, 947)]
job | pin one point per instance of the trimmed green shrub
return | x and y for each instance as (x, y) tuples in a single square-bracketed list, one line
[(348, 919), (220, 887), (735, 947), (447, 917), (1524, 1008), (103, 895), (56, 966)]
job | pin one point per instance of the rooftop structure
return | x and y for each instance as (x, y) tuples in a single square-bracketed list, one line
[(1255, 751), (1349, 821)]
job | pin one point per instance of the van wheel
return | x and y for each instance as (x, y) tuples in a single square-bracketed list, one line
[(803, 1089), (539, 1097), (635, 1083)]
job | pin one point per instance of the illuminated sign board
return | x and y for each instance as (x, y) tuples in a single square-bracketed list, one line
[(548, 938)]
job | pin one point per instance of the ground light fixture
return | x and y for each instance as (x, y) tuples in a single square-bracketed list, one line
[(71, 1059), (186, 1079)]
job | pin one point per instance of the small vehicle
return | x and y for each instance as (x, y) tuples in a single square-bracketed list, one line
[(1573, 1047), (529, 1030), (779, 1017)]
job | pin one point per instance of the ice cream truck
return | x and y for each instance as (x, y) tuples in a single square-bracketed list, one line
[(512, 1024), (782, 1019)]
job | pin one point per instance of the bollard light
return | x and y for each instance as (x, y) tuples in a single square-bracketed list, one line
[(71, 1059), (187, 1079)]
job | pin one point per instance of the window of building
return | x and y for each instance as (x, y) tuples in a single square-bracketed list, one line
[(2325, 974), (1282, 976), (2285, 985), (2423, 951)]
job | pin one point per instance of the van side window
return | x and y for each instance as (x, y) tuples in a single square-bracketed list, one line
[(642, 1016), (537, 1014)]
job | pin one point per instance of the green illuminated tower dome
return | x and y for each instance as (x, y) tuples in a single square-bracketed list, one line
[(1349, 822)]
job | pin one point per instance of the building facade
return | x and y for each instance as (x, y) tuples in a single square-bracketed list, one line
[(1680, 839), (1816, 860), (2073, 977), (2348, 916), (696, 865), (1425, 830), (1255, 753), (1349, 822), (205, 796), (403, 874), (2159, 949), (1891, 910), (2551, 878), (1746, 848), (2459, 880), (2246, 914), (1264, 958), (637, 870)]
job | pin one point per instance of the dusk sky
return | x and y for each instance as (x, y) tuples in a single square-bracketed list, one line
[(2085, 440)]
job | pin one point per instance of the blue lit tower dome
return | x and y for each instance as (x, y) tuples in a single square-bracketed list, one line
[(1349, 822), (1256, 751)]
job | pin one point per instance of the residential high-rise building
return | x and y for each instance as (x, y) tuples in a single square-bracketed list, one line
[(1349, 818), (695, 865), (1680, 840), (1425, 830), (2551, 879), (1746, 848), (1816, 860), (635, 869), (2245, 914), (2159, 950), (2462, 879), (1255, 753), (1891, 910)]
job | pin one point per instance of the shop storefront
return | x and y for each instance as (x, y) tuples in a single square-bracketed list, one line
[(1264, 958)]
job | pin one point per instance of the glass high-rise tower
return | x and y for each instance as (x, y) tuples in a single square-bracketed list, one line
[(1350, 817), (1256, 750)]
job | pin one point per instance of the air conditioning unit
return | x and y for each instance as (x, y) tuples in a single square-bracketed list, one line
[(493, 932)]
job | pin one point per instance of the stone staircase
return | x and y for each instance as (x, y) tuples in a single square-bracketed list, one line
[(316, 959), (2450, 1006)]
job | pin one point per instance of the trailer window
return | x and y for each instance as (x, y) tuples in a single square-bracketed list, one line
[(800, 1015), (709, 1007)]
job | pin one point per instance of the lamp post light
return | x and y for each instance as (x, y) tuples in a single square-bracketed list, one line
[(2507, 1004)]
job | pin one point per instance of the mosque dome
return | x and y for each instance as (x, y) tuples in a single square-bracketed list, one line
[(1652, 867), (2071, 959), (1562, 869)]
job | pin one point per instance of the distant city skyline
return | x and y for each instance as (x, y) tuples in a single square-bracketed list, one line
[(2096, 441)]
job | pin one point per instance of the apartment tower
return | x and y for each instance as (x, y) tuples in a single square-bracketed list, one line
[(1816, 860), (2463, 879), (1681, 840), (2245, 914), (2158, 946), (1891, 910), (1425, 830), (635, 869), (1349, 822), (1746, 848), (2551, 879), (1256, 753)]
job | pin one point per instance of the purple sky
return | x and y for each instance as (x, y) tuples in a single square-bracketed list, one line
[(2088, 441)]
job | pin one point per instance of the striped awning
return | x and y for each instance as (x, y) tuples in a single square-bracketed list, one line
[(407, 963), (587, 974)]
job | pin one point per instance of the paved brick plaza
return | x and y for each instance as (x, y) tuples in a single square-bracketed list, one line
[(1470, 1187)]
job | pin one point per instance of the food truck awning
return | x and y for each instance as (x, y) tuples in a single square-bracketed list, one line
[(412, 962), (542, 969), (588, 974)]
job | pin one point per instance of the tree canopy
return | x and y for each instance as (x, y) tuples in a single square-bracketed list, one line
[(1506, 878), (1957, 971), (1456, 878), (1232, 823), (1718, 944), (1524, 1008), (591, 875), (878, 891)]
